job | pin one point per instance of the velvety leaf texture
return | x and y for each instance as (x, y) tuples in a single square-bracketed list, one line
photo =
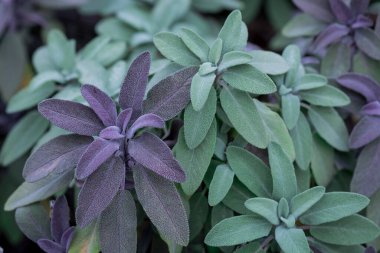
[(162, 204), (59, 154), (71, 116)]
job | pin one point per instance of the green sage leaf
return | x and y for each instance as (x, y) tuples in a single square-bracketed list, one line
[(220, 184)]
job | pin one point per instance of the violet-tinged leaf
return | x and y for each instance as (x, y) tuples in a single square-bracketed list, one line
[(366, 179), (118, 225), (133, 89), (361, 22), (162, 204), (330, 35), (67, 238), (359, 6), (95, 155), (367, 130), (60, 218), (71, 116), (368, 42), (99, 190), (146, 120), (319, 9), (111, 133), (101, 103), (171, 95), (151, 152), (59, 154), (362, 84), (372, 109), (50, 247), (341, 11), (123, 119)]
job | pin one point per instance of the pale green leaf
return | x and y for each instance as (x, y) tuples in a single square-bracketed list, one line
[(322, 161), (234, 58), (337, 60), (329, 126), (195, 43), (220, 184), (230, 32), (247, 78), (334, 206), (291, 108), (284, 178), (292, 55), (303, 25), (291, 240), (61, 50), (303, 142), (215, 51), (250, 170), (264, 207), (45, 77), (325, 96), (238, 230), (311, 81), (305, 200), (244, 116), (268, 62), (200, 89)]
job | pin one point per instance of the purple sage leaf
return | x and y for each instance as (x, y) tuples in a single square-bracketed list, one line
[(162, 204), (319, 9), (71, 116), (367, 130), (146, 120), (111, 133), (123, 119), (341, 11), (95, 155), (362, 84), (67, 237), (133, 89), (118, 225), (366, 179), (171, 95), (359, 6), (59, 154), (372, 109), (330, 35), (362, 21), (98, 190), (50, 247), (60, 218), (151, 152), (101, 103)]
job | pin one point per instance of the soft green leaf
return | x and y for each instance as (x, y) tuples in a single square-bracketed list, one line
[(238, 230), (195, 161), (28, 193), (334, 206), (220, 184), (365, 65), (34, 221), (350, 230), (244, 116), (322, 161), (311, 81), (23, 136), (61, 50), (114, 28), (230, 32), (93, 73), (45, 77), (200, 89), (198, 214), (198, 123), (325, 96), (42, 61), (195, 43), (283, 208), (302, 25), (166, 12), (337, 60), (111, 52), (291, 240), (219, 213), (303, 142), (292, 55), (85, 240), (236, 197), (94, 47), (250, 170), (172, 47), (268, 62), (329, 126), (247, 78), (215, 51), (234, 58), (28, 98), (305, 200), (276, 129), (264, 207), (284, 178), (206, 68), (291, 108)]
